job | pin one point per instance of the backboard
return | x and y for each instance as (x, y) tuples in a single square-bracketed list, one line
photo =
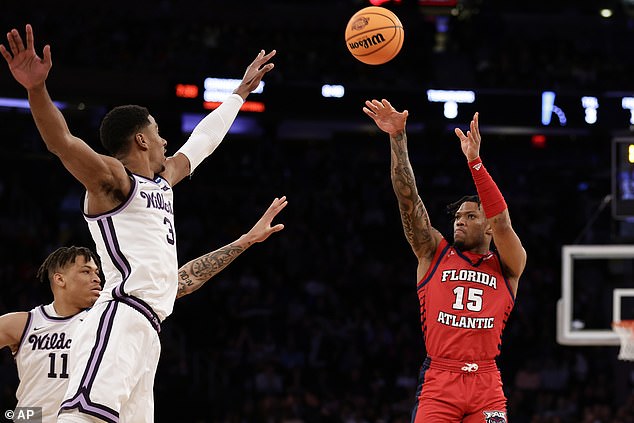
[(597, 288)]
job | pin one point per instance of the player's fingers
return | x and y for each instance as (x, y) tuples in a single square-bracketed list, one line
[(280, 206), (30, 45), (277, 227), (372, 105), (47, 54), (13, 45), (269, 55), (7, 56), (279, 200), (17, 38)]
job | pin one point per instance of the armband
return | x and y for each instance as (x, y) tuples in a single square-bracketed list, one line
[(491, 198), (210, 131)]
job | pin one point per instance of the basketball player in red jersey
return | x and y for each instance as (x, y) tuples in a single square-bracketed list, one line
[(466, 291)]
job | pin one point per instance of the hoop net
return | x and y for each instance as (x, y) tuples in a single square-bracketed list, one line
[(625, 330)]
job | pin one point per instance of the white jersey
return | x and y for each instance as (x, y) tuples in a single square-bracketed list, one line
[(42, 359), (136, 243)]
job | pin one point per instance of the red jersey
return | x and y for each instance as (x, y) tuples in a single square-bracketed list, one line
[(465, 301)]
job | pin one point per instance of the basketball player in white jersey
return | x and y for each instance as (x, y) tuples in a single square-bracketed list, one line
[(40, 339), (129, 209)]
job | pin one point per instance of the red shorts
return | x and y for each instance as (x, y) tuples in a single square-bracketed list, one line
[(453, 391)]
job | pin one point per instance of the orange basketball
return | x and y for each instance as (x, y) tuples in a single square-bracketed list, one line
[(374, 35)]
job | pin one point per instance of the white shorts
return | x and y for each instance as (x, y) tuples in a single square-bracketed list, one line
[(113, 360)]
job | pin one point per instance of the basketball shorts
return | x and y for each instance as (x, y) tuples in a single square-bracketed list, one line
[(453, 391), (113, 361)]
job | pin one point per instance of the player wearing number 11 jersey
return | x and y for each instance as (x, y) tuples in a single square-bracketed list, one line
[(466, 291), (41, 339)]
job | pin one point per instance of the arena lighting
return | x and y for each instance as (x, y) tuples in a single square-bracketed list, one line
[(186, 90), (218, 89), (605, 13), (538, 141), (329, 91), (628, 103), (549, 107), (21, 103), (590, 105), (247, 106), (450, 99), (384, 2), (242, 125)]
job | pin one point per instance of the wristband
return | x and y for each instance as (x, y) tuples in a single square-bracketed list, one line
[(490, 196)]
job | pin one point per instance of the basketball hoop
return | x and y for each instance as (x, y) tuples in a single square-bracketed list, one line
[(625, 330)]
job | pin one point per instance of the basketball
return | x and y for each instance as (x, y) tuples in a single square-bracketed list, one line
[(374, 35)]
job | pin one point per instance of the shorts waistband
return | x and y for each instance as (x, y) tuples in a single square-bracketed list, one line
[(142, 307), (479, 366)]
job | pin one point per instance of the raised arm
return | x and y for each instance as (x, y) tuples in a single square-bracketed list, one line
[(420, 234), (195, 273), (210, 132), (98, 173), (508, 244), (12, 326)]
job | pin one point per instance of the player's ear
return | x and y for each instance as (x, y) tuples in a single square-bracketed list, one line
[(139, 139), (58, 280)]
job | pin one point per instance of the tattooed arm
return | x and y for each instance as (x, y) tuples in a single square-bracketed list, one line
[(195, 273), (422, 237)]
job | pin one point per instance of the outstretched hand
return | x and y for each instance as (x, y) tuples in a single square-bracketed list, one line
[(262, 229), (25, 65), (385, 116), (470, 143), (254, 73)]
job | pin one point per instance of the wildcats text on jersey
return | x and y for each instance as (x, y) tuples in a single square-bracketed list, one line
[(464, 275), (50, 341), (465, 321), (157, 201)]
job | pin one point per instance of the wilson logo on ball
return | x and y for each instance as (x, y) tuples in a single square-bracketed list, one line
[(368, 42), (374, 35)]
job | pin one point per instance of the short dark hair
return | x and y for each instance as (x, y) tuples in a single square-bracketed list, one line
[(59, 258), (119, 125), (453, 207)]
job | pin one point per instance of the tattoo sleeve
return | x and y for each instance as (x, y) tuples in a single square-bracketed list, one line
[(414, 216), (195, 273)]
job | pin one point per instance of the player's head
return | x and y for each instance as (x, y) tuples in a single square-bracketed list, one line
[(119, 126), (125, 127), (471, 229), (73, 273)]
